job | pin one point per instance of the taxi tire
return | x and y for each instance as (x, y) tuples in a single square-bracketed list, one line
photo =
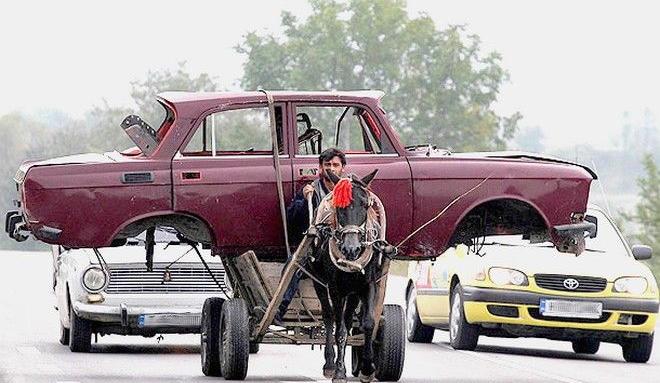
[(586, 345), (80, 335), (638, 350), (210, 336), (417, 332), (235, 339), (467, 335)]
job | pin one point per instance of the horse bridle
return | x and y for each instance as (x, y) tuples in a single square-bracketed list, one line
[(369, 237)]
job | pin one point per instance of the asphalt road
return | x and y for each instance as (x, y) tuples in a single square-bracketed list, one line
[(30, 352)]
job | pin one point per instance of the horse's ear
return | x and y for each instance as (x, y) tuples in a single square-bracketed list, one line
[(369, 177), (331, 176)]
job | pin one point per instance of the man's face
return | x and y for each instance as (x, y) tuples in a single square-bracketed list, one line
[(333, 165)]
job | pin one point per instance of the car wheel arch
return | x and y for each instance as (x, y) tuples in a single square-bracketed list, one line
[(191, 226), (522, 214)]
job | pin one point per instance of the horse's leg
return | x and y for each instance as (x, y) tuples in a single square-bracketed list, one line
[(326, 311), (338, 304), (352, 302), (367, 373)]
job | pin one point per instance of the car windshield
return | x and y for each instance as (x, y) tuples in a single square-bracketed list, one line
[(607, 241)]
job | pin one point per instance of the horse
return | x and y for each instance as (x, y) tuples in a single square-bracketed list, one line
[(350, 225)]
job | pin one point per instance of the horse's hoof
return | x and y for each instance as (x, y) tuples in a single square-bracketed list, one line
[(367, 378), (328, 373)]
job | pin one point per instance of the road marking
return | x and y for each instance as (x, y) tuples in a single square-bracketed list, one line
[(559, 378)]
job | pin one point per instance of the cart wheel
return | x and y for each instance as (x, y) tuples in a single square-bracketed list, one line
[(210, 336), (391, 344), (356, 360), (235, 339)]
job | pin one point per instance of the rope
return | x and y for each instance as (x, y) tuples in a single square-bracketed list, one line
[(443, 210), (276, 163)]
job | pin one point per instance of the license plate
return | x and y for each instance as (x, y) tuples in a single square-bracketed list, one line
[(157, 320), (570, 309)]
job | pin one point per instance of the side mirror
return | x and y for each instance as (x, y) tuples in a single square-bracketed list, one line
[(641, 252), (594, 220)]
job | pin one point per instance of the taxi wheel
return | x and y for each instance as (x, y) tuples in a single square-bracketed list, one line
[(638, 350), (417, 331), (210, 336), (462, 335), (586, 346)]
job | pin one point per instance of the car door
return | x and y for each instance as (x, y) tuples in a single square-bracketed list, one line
[(225, 175), (353, 129)]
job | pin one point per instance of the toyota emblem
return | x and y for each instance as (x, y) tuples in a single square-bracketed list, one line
[(571, 283)]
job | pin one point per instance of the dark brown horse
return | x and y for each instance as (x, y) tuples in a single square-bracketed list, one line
[(348, 259)]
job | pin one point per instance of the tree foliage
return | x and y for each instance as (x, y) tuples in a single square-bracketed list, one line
[(647, 211), (440, 86)]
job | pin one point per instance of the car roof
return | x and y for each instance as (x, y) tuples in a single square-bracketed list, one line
[(256, 96)]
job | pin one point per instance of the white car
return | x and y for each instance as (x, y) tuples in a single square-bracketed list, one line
[(110, 291)]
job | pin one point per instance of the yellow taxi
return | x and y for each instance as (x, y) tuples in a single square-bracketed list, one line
[(509, 287)]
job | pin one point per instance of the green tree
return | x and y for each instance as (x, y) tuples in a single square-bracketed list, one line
[(647, 211), (440, 86), (103, 120)]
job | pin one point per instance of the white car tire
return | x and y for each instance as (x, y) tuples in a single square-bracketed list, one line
[(462, 335), (417, 332), (80, 335)]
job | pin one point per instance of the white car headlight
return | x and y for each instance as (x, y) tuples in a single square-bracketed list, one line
[(94, 279), (502, 276), (631, 285)]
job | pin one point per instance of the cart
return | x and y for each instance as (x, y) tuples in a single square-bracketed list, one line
[(226, 340)]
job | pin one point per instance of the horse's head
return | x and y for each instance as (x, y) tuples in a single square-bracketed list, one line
[(352, 200)]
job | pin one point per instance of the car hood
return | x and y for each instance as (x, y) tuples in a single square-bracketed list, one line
[(547, 260), (136, 254), (524, 156)]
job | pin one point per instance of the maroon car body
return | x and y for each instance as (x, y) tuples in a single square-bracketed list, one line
[(230, 202)]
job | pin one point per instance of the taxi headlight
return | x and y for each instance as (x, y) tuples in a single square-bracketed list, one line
[(631, 285), (94, 279), (502, 276)]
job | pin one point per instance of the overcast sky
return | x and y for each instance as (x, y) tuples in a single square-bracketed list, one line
[(575, 66)]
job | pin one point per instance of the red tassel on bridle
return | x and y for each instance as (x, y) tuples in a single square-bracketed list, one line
[(342, 194)]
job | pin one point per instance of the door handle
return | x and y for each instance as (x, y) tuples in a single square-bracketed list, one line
[(191, 175)]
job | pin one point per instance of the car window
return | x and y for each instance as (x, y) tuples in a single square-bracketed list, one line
[(351, 129), (235, 132)]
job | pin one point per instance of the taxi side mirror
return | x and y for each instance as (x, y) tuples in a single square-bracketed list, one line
[(594, 220), (641, 252)]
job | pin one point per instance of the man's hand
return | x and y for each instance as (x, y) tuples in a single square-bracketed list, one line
[(308, 191)]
